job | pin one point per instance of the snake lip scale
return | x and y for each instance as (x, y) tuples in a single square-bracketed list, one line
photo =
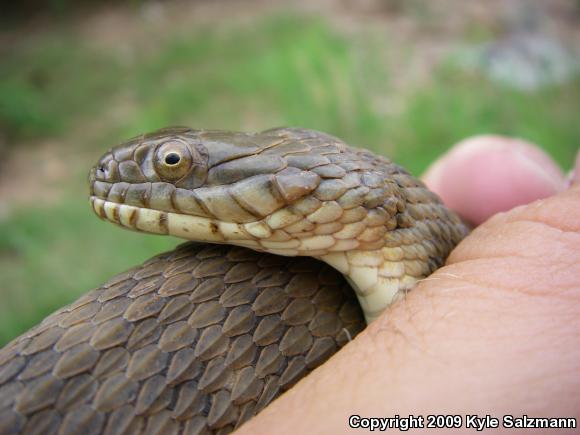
[(199, 339)]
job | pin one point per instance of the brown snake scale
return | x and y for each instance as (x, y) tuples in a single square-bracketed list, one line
[(167, 348), (200, 339)]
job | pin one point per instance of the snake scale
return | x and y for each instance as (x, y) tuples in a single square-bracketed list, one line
[(199, 339)]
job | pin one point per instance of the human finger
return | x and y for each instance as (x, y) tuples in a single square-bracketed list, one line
[(484, 175)]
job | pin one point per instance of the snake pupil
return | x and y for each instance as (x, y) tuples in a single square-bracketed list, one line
[(172, 158)]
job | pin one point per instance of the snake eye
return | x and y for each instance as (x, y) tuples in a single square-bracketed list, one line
[(173, 160)]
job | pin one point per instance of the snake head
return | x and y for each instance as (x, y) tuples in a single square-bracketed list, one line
[(226, 177), (202, 185), (288, 191)]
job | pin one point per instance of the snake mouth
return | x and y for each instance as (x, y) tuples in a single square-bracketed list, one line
[(257, 235), (159, 196), (197, 228), (254, 235)]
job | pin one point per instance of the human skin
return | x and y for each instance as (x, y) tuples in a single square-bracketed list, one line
[(496, 331)]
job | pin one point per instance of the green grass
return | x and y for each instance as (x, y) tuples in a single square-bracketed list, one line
[(49, 257), (280, 71), (283, 71), (47, 85), (461, 105)]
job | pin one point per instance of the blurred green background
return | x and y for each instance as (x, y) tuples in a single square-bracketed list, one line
[(403, 78)]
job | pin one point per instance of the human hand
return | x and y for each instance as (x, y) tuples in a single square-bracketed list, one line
[(496, 331)]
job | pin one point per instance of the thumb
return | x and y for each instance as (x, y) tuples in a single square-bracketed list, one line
[(485, 175)]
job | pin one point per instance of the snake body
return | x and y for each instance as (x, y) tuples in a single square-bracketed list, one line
[(199, 339), (196, 340)]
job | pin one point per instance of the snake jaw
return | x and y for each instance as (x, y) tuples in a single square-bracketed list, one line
[(257, 235)]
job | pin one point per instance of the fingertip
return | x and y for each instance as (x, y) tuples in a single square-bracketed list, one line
[(576, 171), (484, 175)]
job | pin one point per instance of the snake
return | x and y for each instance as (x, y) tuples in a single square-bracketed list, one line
[(282, 225)]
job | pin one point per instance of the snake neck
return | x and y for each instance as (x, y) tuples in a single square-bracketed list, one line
[(378, 277)]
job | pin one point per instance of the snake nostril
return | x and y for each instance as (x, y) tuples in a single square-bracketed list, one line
[(101, 171)]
